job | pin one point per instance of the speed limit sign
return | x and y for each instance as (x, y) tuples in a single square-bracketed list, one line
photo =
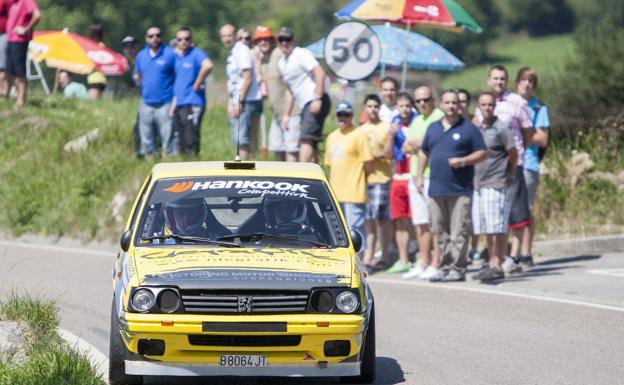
[(352, 50)]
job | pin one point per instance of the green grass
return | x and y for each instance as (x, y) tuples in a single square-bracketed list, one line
[(546, 54), (49, 360), (49, 191)]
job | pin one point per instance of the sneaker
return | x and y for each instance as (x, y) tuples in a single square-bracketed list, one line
[(438, 277), (491, 274), (399, 267), (451, 276), (429, 273), (527, 261), (454, 276), (510, 266), (473, 255), (414, 272), (482, 270)]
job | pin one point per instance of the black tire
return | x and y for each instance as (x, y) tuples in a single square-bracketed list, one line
[(117, 355), (367, 367)]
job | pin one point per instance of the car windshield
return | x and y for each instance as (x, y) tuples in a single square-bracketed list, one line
[(241, 212)]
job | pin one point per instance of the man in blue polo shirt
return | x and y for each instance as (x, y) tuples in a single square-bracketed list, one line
[(191, 68), (155, 73), (452, 146)]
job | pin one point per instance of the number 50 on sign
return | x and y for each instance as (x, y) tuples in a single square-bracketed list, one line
[(352, 50)]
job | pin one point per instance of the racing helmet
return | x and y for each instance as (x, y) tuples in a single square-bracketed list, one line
[(185, 216), (279, 210)]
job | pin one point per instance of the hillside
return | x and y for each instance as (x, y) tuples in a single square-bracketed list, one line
[(546, 54)]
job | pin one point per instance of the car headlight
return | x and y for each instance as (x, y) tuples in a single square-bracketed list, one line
[(168, 301), (143, 300), (347, 302), (323, 301)]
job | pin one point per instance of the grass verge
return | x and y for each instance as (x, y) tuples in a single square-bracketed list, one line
[(50, 360), (546, 55)]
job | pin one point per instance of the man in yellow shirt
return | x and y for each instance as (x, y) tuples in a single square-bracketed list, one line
[(348, 155), (377, 225)]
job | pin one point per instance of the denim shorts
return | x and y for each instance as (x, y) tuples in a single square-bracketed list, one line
[(355, 213), (250, 110)]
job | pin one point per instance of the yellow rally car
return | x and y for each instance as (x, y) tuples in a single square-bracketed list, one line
[(239, 269)]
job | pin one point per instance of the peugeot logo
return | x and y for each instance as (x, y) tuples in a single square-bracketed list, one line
[(245, 304)]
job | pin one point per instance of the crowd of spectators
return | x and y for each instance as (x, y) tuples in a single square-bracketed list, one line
[(415, 170)]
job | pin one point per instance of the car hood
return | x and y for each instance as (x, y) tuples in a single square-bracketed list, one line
[(245, 268)]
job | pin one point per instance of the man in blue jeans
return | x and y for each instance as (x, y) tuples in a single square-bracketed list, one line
[(245, 98), (155, 73), (192, 68)]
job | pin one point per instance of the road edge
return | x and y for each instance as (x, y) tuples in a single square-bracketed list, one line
[(98, 359), (580, 246)]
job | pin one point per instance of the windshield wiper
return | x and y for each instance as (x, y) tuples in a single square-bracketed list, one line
[(264, 236), (190, 238)]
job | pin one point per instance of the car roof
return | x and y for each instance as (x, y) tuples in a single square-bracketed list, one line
[(218, 168)]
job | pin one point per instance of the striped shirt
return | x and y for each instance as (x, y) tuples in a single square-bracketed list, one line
[(512, 109)]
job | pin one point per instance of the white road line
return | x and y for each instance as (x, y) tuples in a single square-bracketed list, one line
[(97, 358), (497, 292), (610, 272), (57, 248)]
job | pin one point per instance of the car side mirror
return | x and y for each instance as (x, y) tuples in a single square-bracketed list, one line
[(125, 240), (356, 237)]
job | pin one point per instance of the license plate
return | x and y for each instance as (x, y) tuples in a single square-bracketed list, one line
[(243, 361)]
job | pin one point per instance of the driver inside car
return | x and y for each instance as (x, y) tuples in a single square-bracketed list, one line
[(285, 216), (192, 217)]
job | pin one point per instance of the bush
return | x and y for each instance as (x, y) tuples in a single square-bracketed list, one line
[(591, 86)]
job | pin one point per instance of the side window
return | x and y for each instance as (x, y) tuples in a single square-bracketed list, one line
[(135, 214)]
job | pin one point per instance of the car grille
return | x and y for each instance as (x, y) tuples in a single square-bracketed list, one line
[(205, 302), (221, 340)]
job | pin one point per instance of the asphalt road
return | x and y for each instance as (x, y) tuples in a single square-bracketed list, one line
[(562, 322)]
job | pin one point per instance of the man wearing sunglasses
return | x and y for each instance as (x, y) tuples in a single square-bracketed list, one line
[(283, 143), (305, 79), (154, 72), (428, 263), (245, 98), (192, 67)]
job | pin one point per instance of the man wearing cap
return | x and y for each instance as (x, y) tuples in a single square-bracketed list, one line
[(305, 79), (189, 100), (245, 99), (348, 155), (283, 142)]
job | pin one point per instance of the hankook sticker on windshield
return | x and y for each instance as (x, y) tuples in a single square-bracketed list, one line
[(246, 187)]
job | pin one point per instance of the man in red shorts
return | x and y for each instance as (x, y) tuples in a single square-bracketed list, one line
[(399, 195)]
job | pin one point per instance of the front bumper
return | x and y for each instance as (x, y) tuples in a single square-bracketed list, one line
[(181, 358), (188, 369)]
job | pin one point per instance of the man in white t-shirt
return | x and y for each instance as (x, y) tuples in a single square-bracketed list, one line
[(244, 97), (305, 80), (389, 89)]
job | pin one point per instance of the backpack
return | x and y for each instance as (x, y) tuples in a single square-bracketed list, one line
[(541, 151)]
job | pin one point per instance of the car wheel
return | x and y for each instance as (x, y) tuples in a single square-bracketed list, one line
[(367, 366), (117, 355)]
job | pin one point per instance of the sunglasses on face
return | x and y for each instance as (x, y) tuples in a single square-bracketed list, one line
[(247, 38), (187, 38), (343, 114), (153, 35), (426, 100), (283, 39)]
